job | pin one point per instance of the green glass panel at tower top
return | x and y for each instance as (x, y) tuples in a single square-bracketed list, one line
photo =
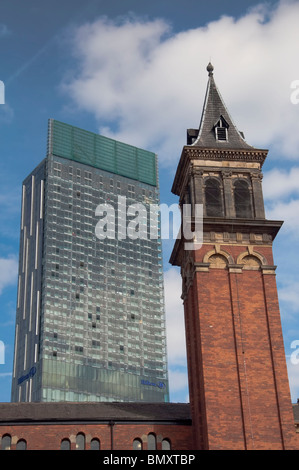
[(90, 323), (102, 152)]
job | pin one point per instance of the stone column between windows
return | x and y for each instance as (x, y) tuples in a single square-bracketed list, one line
[(197, 176), (258, 203), (229, 207)]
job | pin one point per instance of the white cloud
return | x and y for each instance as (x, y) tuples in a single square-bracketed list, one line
[(279, 183), (289, 294), (8, 272), (288, 212), (5, 374), (145, 84)]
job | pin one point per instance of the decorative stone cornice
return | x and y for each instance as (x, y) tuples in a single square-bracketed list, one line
[(258, 155)]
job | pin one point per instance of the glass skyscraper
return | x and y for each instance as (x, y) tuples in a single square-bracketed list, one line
[(90, 323)]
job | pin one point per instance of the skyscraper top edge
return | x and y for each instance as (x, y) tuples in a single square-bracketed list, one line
[(76, 144)]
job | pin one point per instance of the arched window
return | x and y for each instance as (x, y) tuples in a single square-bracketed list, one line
[(166, 444), (151, 442), (95, 444), (6, 442), (80, 441), (213, 197), (65, 444), (137, 444), (242, 199), (21, 445)]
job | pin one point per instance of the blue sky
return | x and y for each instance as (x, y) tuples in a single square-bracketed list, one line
[(136, 71)]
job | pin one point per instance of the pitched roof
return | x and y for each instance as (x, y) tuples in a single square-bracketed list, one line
[(96, 412), (214, 109)]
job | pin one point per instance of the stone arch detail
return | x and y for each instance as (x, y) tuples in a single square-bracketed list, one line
[(218, 258), (251, 259)]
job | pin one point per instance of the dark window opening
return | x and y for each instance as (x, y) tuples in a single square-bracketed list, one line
[(95, 444), (213, 198), (21, 444), (166, 444), (65, 444), (6, 442), (80, 441), (242, 199), (151, 442), (221, 133), (137, 444), (221, 130)]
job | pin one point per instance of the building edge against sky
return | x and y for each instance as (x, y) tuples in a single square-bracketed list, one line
[(90, 320)]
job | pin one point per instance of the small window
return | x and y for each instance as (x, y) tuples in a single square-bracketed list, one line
[(137, 444), (221, 130), (151, 442), (95, 444), (65, 444), (21, 445), (166, 444), (213, 198), (221, 133), (80, 441), (242, 199), (6, 442)]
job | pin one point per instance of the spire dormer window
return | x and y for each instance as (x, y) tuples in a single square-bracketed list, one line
[(221, 130)]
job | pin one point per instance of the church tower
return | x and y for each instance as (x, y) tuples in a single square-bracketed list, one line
[(238, 383)]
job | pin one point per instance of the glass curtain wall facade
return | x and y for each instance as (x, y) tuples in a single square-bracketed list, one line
[(90, 311)]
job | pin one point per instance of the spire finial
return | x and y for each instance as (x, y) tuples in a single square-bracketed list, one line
[(210, 69)]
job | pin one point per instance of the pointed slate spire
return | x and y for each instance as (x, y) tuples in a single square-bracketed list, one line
[(216, 129)]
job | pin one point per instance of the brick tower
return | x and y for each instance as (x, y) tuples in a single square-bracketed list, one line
[(238, 383)]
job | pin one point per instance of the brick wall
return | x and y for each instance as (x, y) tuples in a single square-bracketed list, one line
[(49, 436), (240, 399)]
